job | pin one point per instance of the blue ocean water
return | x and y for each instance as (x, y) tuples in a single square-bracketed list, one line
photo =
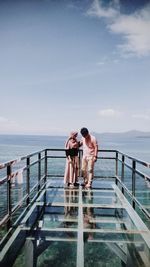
[(137, 147), (14, 146)]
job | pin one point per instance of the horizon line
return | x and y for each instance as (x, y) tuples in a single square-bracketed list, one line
[(61, 135)]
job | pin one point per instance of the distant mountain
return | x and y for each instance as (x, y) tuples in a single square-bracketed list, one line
[(128, 134)]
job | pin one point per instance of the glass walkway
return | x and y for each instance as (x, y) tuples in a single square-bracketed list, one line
[(56, 226)]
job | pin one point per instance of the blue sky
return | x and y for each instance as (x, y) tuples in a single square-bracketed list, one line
[(68, 64)]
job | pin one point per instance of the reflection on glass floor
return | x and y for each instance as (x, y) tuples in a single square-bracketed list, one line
[(78, 227)]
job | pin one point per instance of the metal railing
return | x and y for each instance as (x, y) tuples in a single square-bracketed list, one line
[(36, 168), (131, 191)]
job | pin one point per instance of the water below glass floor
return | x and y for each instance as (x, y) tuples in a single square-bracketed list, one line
[(77, 227)]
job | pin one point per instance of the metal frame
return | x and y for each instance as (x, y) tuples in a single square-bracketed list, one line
[(114, 246), (44, 156)]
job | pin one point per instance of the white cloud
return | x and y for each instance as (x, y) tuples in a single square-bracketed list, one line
[(109, 113), (100, 63), (99, 11), (134, 28), (106, 61), (136, 33)]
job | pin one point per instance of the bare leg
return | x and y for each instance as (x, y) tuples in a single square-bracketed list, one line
[(84, 170)]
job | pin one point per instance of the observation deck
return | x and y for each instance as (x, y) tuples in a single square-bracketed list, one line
[(44, 224)]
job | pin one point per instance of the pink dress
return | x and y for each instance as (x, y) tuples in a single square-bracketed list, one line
[(72, 161)]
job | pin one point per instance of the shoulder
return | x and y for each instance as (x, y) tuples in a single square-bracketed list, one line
[(93, 139), (67, 144)]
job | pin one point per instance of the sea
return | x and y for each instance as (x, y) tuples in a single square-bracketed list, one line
[(14, 146)]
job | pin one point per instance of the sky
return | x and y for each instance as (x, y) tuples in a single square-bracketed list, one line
[(70, 64)]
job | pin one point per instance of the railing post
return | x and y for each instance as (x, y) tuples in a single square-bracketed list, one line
[(39, 171), (80, 158), (116, 165), (45, 165), (122, 171), (28, 180), (133, 181), (9, 204)]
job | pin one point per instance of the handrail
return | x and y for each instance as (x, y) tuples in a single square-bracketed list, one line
[(41, 178), (17, 160), (134, 199), (146, 164), (145, 176)]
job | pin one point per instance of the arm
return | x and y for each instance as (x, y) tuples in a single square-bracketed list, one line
[(69, 159), (68, 156), (95, 149), (67, 147)]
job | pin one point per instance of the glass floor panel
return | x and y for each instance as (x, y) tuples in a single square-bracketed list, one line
[(113, 254), (81, 228)]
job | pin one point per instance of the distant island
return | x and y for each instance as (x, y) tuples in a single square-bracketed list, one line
[(128, 134)]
